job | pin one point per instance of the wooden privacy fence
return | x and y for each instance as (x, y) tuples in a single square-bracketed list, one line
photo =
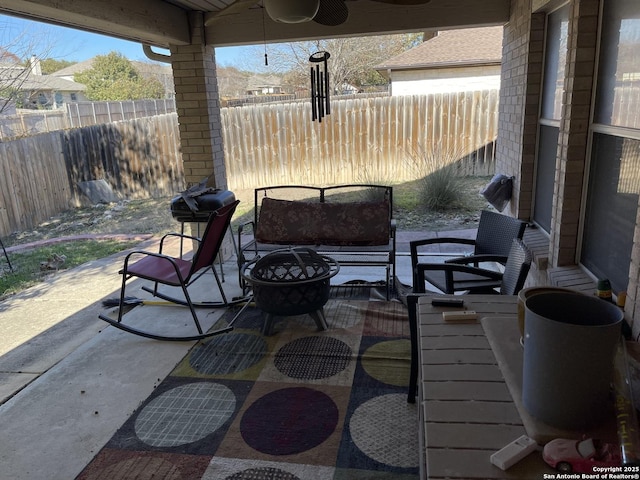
[(373, 139), (80, 114), (379, 139), (31, 123), (40, 175)]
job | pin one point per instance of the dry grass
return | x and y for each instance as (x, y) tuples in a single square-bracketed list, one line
[(153, 216)]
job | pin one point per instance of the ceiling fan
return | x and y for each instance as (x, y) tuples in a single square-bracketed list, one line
[(324, 12)]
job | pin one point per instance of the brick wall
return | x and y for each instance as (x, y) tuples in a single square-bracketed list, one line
[(199, 118), (574, 126), (517, 123), (519, 99), (198, 107)]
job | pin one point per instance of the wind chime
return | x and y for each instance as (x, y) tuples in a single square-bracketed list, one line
[(319, 86)]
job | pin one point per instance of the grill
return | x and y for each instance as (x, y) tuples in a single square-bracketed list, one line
[(207, 203)]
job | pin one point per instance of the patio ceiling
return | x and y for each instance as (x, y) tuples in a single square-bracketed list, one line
[(241, 22)]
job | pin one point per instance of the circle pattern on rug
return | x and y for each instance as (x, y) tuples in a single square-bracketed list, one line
[(227, 354), (142, 468), (185, 414), (289, 421), (378, 434), (388, 362), (313, 358), (265, 473)]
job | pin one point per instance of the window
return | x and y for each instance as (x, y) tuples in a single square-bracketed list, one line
[(618, 90), (614, 169), (554, 63), (545, 175), (612, 202), (550, 114)]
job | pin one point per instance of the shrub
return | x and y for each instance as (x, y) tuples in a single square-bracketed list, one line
[(440, 191), (367, 177), (439, 186)]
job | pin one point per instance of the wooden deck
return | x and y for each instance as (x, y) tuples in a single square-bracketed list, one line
[(571, 276)]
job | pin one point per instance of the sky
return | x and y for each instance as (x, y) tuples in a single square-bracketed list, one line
[(18, 36)]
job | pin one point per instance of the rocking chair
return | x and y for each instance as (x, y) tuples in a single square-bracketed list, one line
[(177, 272)]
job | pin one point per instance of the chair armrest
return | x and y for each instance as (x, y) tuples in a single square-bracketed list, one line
[(413, 245), (475, 259), (430, 241), (178, 235), (413, 248), (242, 226), (454, 267), (449, 269), (251, 243)]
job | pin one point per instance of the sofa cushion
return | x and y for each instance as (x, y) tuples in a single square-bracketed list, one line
[(314, 223)]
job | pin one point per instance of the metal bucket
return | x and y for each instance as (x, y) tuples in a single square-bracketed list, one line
[(570, 343)]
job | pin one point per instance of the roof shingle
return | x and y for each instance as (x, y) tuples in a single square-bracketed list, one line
[(469, 46)]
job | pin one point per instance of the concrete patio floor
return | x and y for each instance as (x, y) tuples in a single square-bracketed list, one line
[(68, 380)]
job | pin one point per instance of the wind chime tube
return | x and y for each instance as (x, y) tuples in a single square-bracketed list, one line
[(321, 94), (314, 112), (326, 89)]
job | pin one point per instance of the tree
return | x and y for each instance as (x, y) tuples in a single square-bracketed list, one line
[(113, 77), (50, 65), (232, 82), (352, 59), (17, 47)]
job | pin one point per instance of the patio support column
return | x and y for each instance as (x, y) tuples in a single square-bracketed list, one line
[(199, 115), (574, 128), (520, 82), (198, 107)]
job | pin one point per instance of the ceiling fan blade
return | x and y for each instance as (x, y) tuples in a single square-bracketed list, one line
[(403, 2), (332, 13), (234, 8)]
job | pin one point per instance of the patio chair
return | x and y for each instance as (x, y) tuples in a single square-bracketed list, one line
[(461, 276), (492, 243), (177, 272)]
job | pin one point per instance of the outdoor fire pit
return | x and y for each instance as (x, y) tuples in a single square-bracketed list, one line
[(289, 282)]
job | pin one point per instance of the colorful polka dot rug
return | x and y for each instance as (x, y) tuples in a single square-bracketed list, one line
[(300, 404)]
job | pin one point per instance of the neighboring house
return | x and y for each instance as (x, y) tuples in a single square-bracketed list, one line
[(450, 61), (266, 85), (347, 89), (38, 90), (156, 71)]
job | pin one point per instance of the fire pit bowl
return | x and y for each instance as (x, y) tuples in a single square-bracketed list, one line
[(289, 282)]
